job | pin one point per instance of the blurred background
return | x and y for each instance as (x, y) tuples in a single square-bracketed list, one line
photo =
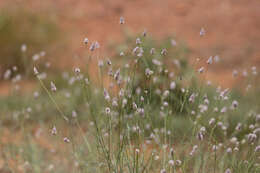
[(56, 29)]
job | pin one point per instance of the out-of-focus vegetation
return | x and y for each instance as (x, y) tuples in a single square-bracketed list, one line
[(27, 30), (146, 110)]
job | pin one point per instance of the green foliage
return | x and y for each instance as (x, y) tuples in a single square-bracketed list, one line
[(162, 66), (137, 138)]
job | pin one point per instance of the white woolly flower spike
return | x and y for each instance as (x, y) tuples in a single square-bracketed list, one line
[(77, 70), (23, 48), (36, 72), (210, 60), (228, 171), (122, 20), (53, 87), (66, 140), (54, 130), (86, 41), (201, 70), (202, 32)]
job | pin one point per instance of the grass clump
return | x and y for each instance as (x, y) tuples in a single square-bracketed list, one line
[(151, 112)]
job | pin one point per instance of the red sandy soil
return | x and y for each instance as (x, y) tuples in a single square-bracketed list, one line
[(232, 26)]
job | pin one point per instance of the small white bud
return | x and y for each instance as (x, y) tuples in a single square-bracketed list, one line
[(86, 41), (66, 140), (202, 32), (172, 85), (178, 162), (53, 87), (210, 60), (164, 51), (201, 70), (138, 41), (23, 48), (74, 114), (54, 131), (35, 71), (122, 20), (77, 70), (228, 171)]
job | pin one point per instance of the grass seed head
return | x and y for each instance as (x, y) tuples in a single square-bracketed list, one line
[(53, 87), (66, 140), (122, 20)]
